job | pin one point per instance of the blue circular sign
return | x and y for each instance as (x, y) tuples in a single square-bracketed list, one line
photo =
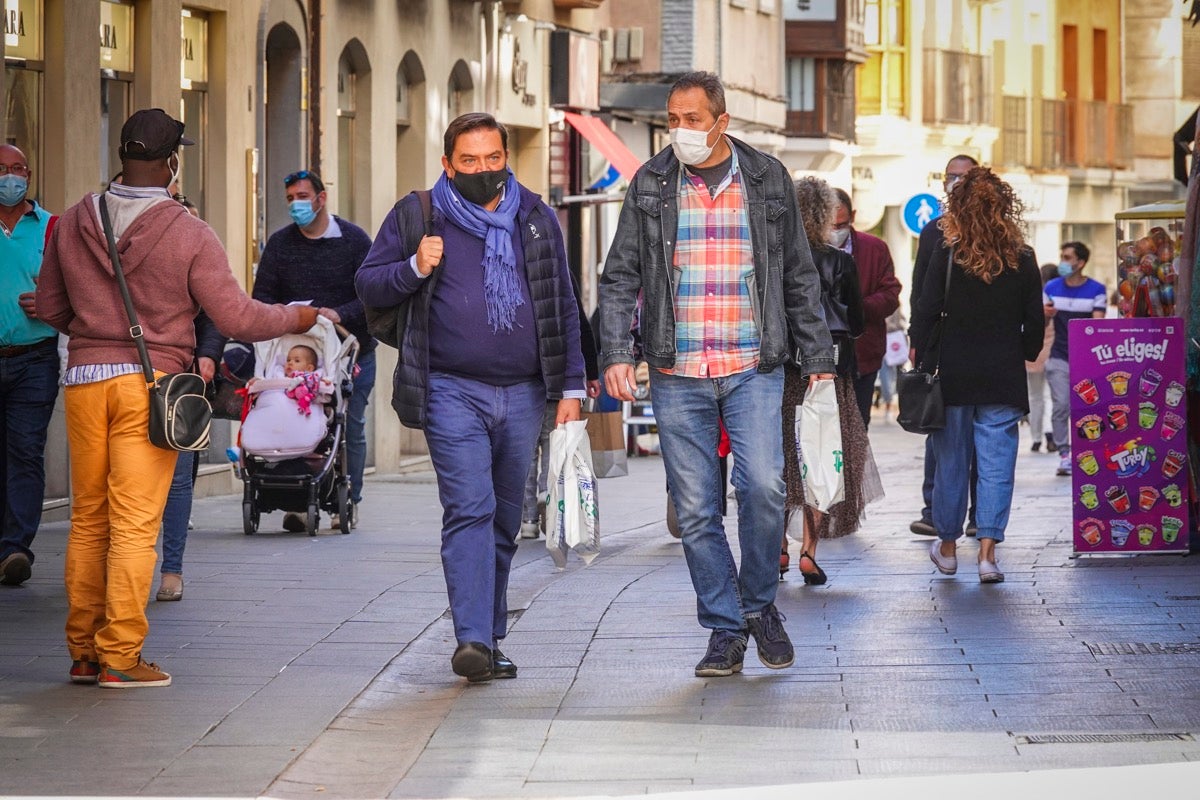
[(919, 211)]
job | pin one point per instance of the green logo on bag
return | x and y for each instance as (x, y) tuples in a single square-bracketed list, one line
[(837, 460)]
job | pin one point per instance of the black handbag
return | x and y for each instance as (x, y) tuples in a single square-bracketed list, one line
[(180, 414), (918, 390)]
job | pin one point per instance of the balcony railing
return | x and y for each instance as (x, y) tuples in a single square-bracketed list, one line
[(1099, 134), (1013, 150), (1051, 149), (833, 112), (957, 88)]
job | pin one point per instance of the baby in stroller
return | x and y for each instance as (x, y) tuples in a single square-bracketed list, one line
[(304, 382), (293, 375)]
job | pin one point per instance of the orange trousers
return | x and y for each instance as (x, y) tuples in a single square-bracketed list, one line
[(119, 485)]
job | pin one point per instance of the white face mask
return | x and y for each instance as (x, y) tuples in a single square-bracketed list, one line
[(838, 237), (692, 147), (174, 172)]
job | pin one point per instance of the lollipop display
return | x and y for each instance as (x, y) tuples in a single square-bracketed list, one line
[(1148, 244)]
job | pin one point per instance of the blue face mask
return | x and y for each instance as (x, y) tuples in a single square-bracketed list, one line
[(1065, 270), (302, 212), (12, 189)]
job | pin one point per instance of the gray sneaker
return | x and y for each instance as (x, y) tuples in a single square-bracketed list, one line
[(774, 646), (726, 650)]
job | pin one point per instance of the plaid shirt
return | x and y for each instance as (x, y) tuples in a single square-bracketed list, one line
[(715, 332)]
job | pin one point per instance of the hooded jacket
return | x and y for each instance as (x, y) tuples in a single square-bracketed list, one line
[(174, 265)]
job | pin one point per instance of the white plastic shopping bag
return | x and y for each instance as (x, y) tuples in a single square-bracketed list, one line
[(572, 511), (819, 446), (897, 349)]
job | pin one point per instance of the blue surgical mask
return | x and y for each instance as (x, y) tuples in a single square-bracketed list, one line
[(302, 212), (1065, 270), (12, 189)]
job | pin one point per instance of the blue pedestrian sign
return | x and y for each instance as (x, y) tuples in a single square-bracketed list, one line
[(919, 211)]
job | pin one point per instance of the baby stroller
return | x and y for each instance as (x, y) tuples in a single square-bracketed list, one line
[(290, 460)]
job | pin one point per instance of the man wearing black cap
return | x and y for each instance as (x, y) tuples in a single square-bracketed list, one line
[(315, 259), (174, 266)]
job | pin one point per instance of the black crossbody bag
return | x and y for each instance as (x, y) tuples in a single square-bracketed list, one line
[(180, 414), (919, 390)]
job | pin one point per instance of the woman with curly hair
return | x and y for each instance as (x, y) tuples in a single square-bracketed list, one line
[(841, 300), (985, 286)]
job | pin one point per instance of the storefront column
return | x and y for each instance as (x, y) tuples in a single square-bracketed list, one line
[(70, 97), (156, 52)]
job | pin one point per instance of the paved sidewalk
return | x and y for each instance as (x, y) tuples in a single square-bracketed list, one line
[(320, 666)]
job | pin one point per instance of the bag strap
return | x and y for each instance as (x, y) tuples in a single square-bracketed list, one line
[(135, 330), (425, 199)]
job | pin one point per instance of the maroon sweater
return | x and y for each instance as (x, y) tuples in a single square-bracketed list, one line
[(174, 265)]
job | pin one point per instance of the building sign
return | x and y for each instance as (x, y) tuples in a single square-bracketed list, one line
[(574, 70), (23, 29), (116, 36), (810, 10), (1129, 440), (194, 53), (519, 71)]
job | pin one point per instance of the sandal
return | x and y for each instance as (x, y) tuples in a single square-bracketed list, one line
[(170, 588), (817, 578), (784, 561)]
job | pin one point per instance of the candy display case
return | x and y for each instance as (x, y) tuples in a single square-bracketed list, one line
[(1149, 240)]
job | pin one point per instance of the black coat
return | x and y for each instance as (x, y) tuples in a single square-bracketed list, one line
[(841, 303), (990, 331)]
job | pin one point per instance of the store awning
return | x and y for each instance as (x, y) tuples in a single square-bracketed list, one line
[(608, 143)]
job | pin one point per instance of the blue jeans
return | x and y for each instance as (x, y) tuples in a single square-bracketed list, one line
[(356, 424), (481, 441), (927, 484), (28, 389), (990, 434), (687, 411), (176, 513)]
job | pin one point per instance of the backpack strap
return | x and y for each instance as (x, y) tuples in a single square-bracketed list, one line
[(49, 229)]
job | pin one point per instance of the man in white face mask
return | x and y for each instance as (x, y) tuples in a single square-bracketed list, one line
[(710, 238), (880, 294)]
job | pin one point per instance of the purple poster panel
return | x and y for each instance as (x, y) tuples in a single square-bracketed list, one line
[(1128, 436)]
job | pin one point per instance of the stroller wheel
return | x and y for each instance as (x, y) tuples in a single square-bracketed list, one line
[(345, 508), (249, 518), (313, 519)]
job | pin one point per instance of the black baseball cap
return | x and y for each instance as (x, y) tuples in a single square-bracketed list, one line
[(151, 134)]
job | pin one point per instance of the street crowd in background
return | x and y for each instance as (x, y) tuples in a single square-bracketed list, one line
[(735, 316)]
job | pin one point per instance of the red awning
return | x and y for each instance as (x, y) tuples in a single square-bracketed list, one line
[(607, 142)]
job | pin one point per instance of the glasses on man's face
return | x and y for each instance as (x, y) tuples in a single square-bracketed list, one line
[(16, 169), (951, 179)]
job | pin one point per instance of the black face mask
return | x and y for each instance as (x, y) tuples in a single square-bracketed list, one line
[(480, 188)]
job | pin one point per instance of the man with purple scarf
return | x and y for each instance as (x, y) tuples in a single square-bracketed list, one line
[(489, 334)]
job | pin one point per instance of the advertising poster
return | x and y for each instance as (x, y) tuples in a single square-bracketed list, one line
[(1128, 436)]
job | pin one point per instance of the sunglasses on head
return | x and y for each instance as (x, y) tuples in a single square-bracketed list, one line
[(305, 175)]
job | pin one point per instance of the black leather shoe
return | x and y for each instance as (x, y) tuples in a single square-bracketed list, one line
[(473, 660), (502, 665)]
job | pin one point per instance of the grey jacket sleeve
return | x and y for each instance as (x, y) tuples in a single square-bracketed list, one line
[(620, 284)]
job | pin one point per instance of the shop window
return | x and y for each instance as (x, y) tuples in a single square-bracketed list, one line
[(22, 116), (116, 82), (193, 105)]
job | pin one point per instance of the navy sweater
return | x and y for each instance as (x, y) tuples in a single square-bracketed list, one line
[(294, 267), (461, 340)]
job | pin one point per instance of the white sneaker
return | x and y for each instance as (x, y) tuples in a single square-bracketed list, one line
[(1064, 465), (530, 530)]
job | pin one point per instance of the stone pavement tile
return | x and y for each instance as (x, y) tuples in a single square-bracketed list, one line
[(717, 770), (607, 788), (580, 763), (464, 761), (442, 787), (215, 770), (1034, 722), (870, 745)]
